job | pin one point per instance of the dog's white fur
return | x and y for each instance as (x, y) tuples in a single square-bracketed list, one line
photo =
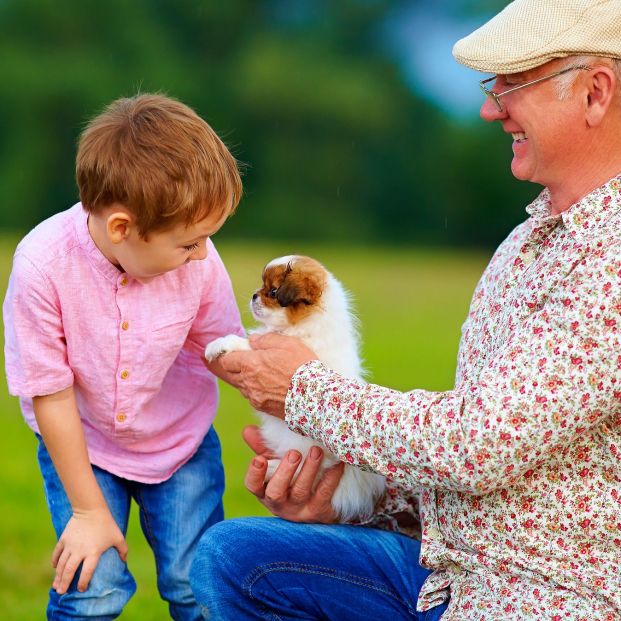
[(330, 331)]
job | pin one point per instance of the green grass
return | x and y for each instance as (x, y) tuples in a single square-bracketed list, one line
[(411, 305)]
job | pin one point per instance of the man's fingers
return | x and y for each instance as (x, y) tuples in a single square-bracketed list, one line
[(255, 477), (277, 488), (302, 488), (231, 362), (269, 340), (253, 438), (328, 484)]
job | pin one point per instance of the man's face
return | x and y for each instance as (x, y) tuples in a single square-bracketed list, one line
[(166, 250), (545, 130)]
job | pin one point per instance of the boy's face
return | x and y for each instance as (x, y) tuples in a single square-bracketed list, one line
[(164, 251)]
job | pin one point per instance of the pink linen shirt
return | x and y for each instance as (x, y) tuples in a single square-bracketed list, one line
[(519, 466), (133, 352)]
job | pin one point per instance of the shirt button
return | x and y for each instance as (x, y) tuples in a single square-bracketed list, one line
[(121, 417), (433, 533), (125, 325), (124, 281), (124, 374)]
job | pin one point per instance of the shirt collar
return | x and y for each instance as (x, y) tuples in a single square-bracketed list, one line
[(586, 218), (86, 242)]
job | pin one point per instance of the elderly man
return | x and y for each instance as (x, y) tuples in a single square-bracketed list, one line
[(519, 466)]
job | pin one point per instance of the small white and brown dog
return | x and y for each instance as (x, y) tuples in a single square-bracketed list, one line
[(300, 298)]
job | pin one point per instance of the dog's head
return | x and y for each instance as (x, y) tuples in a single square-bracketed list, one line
[(291, 291)]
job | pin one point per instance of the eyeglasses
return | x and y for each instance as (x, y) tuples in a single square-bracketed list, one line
[(495, 97)]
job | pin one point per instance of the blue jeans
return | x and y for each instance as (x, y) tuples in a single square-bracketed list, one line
[(267, 568), (173, 515)]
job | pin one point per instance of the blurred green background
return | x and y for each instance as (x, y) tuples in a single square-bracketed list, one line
[(353, 119), (361, 146)]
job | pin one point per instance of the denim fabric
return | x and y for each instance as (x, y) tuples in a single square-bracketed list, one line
[(173, 515), (270, 569)]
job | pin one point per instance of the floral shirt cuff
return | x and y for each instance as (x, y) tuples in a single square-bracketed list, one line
[(398, 509), (299, 400)]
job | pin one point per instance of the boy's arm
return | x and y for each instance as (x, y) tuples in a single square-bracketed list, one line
[(91, 529)]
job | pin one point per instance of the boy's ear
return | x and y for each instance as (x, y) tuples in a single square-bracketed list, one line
[(118, 226)]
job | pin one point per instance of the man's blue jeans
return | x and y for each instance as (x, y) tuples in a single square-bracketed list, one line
[(173, 515), (267, 568)]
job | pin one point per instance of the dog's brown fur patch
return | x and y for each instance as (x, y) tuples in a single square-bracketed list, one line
[(296, 286)]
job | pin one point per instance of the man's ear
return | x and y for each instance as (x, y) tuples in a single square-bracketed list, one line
[(118, 226), (601, 92)]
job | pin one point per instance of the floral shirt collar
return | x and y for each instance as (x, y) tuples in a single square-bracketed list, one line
[(587, 217)]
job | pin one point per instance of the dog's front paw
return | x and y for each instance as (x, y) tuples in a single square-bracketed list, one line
[(224, 344)]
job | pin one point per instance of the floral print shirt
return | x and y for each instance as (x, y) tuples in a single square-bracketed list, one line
[(519, 466)]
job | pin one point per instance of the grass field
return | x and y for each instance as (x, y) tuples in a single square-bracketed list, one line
[(411, 305)]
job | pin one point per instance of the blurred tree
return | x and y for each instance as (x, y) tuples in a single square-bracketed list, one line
[(336, 144)]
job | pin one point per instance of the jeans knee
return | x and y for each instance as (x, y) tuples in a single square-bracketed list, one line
[(223, 557), (111, 587), (210, 564)]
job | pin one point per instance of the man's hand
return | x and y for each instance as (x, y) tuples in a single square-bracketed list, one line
[(85, 538), (299, 500), (264, 374)]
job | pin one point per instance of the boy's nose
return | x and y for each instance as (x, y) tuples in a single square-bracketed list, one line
[(200, 253)]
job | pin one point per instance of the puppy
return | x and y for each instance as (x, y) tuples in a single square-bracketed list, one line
[(300, 298)]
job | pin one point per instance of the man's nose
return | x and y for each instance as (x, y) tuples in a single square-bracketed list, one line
[(490, 112)]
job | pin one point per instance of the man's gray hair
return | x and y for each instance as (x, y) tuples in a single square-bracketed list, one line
[(564, 83)]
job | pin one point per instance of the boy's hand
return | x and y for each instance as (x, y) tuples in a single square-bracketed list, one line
[(86, 537)]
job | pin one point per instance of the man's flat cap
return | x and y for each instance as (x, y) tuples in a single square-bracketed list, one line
[(529, 33)]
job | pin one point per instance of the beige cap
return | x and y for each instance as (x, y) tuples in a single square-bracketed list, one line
[(529, 33)]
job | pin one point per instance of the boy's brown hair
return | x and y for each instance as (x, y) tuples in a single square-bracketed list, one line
[(159, 159)]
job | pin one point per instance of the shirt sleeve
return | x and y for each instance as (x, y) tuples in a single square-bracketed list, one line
[(35, 347), (218, 314), (558, 375)]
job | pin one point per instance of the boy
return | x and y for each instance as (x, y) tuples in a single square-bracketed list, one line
[(108, 309)]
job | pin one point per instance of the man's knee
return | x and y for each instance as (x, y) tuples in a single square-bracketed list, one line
[(216, 554), (226, 553)]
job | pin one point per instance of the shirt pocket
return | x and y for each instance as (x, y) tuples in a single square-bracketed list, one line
[(167, 337)]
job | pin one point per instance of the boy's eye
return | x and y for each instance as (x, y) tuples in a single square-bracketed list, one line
[(191, 247)]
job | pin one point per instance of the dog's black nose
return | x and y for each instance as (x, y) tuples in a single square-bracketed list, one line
[(255, 296)]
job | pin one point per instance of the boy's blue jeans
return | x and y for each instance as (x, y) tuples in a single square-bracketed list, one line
[(173, 515), (270, 569)]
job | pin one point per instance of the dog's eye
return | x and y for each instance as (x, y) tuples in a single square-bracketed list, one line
[(272, 293)]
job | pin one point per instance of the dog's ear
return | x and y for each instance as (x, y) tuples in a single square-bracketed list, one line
[(287, 293)]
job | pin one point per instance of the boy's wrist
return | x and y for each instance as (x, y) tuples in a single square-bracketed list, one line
[(88, 508)]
